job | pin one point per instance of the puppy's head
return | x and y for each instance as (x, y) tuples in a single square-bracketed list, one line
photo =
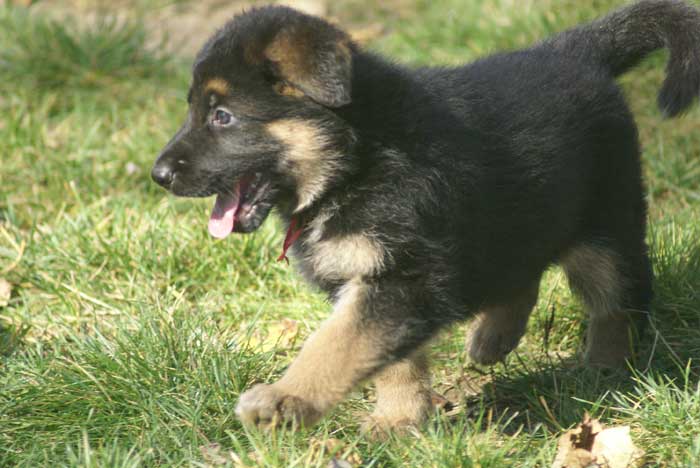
[(261, 130)]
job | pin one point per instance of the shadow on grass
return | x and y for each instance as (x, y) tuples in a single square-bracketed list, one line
[(11, 338), (555, 394), (553, 397)]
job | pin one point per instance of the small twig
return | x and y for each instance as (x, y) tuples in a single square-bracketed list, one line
[(548, 325), (19, 248), (548, 412), (653, 350), (676, 357)]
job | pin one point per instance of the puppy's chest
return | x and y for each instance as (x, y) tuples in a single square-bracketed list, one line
[(330, 259)]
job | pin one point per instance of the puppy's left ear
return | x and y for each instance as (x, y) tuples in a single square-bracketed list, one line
[(315, 58)]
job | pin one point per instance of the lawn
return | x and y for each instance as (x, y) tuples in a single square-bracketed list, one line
[(129, 333)]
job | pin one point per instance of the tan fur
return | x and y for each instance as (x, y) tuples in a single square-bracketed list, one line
[(338, 355), (217, 85), (292, 54), (343, 48), (317, 225), (497, 329), (345, 257), (595, 273), (609, 341), (403, 394), (307, 157), (333, 360), (285, 89)]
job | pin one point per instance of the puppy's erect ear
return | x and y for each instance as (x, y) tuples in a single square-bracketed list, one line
[(315, 58)]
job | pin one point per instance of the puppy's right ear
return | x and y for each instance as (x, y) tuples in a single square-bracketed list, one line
[(313, 57)]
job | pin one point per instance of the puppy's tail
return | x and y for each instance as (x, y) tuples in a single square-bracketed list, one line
[(620, 40)]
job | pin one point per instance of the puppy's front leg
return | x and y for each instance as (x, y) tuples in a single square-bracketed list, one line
[(360, 338)]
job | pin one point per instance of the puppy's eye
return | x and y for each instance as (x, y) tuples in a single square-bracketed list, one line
[(222, 118)]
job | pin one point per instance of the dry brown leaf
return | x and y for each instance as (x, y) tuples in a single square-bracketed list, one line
[(330, 446), (277, 335), (342, 455), (5, 292), (239, 462), (336, 463), (212, 454), (351, 461), (441, 403), (591, 445)]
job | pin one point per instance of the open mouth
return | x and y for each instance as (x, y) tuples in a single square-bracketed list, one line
[(241, 210)]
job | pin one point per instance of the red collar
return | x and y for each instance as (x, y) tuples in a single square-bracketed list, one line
[(293, 232)]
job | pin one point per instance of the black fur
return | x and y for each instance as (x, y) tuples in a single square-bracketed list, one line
[(620, 40), (473, 179)]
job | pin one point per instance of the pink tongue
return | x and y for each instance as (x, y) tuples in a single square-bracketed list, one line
[(223, 215)]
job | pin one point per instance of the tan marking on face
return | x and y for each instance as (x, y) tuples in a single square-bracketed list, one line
[(307, 157), (285, 89), (345, 257), (338, 356), (217, 85)]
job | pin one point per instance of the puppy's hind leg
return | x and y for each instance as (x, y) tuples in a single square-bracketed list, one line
[(616, 289), (403, 394), (497, 329)]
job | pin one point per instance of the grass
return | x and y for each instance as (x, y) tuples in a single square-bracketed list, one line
[(130, 333)]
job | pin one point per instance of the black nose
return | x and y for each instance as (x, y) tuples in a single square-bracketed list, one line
[(163, 174)]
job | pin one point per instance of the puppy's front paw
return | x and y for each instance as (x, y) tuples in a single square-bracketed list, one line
[(267, 406)]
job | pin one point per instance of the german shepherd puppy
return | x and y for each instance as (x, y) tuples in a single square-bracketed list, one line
[(417, 198)]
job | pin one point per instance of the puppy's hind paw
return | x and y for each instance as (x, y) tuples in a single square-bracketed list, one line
[(380, 428)]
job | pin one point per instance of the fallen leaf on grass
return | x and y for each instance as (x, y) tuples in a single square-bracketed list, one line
[(213, 455), (342, 455), (335, 463), (5, 292), (591, 445), (279, 335), (442, 403)]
